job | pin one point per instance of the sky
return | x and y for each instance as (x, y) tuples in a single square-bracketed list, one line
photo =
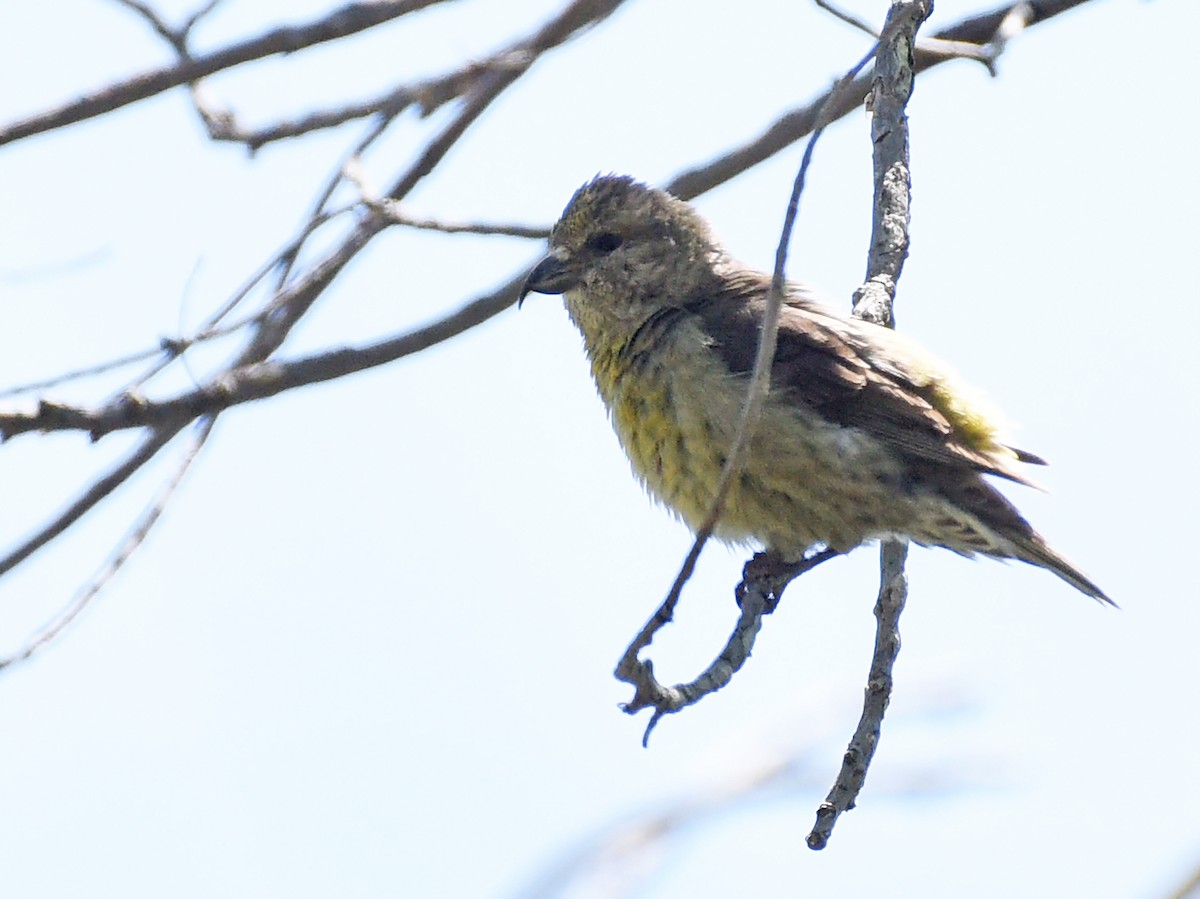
[(368, 651)]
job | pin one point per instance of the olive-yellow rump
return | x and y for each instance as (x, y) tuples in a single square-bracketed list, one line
[(863, 435)]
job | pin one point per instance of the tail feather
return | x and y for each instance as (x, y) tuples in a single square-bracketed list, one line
[(985, 521), (1033, 549), (1027, 457)]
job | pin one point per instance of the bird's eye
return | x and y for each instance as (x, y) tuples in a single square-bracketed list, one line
[(604, 242)]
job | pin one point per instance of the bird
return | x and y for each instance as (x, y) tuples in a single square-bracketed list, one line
[(863, 435)]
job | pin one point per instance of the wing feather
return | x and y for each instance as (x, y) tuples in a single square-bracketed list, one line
[(852, 373)]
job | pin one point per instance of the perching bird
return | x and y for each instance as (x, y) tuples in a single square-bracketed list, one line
[(863, 435)]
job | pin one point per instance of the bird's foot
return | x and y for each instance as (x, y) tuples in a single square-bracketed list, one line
[(769, 573)]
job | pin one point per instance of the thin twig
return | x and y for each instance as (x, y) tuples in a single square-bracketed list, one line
[(275, 321), (574, 19), (133, 541), (86, 501), (339, 23), (1189, 889), (171, 348), (176, 37), (852, 20), (253, 381), (754, 604), (893, 82), (287, 260), (648, 692), (428, 95), (579, 15), (210, 328), (893, 591), (79, 373), (292, 303), (222, 125), (397, 216), (946, 49), (798, 123)]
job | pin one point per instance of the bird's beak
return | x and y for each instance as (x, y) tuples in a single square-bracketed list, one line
[(552, 275)]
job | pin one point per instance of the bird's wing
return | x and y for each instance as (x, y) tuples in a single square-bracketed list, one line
[(854, 374)]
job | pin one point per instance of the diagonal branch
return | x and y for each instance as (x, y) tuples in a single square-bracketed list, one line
[(253, 380), (132, 543), (86, 501), (577, 16), (987, 28), (468, 81), (340, 23), (631, 669), (292, 301), (254, 374)]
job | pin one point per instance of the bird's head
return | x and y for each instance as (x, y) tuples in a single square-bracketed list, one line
[(621, 251)]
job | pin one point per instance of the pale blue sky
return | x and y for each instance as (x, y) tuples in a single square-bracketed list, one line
[(369, 651)]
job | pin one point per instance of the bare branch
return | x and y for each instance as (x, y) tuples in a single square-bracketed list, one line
[(171, 348), (578, 15), (395, 214), (210, 329), (223, 125), (86, 372), (88, 500), (893, 83), (176, 37), (270, 332), (758, 601), (649, 693), (133, 541), (294, 300), (429, 95), (947, 49), (1189, 889), (253, 380), (798, 123), (254, 374), (340, 23), (893, 592)]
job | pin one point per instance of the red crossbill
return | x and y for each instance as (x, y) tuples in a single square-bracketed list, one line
[(863, 435)]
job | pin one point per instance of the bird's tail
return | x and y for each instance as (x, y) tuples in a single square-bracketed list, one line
[(1032, 548), (981, 519)]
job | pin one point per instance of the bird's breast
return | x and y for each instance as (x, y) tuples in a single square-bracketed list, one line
[(676, 443), (675, 407)]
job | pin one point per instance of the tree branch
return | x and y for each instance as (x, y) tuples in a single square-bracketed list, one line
[(893, 592), (340, 23), (755, 600), (792, 126), (132, 543), (893, 82), (252, 380), (95, 492), (254, 373), (472, 80), (789, 128)]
